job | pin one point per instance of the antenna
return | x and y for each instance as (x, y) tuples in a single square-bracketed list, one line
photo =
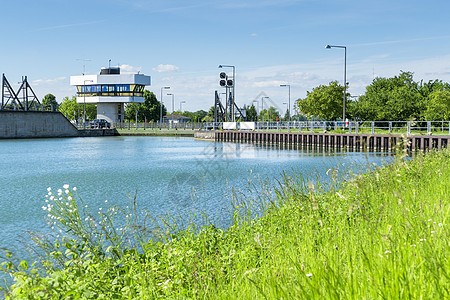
[(84, 64)]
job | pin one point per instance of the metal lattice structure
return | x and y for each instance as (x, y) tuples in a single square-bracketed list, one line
[(24, 99), (224, 113)]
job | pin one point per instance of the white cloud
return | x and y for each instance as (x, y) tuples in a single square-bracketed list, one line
[(129, 69), (48, 81), (165, 68)]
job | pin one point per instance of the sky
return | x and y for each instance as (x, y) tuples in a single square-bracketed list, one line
[(181, 44)]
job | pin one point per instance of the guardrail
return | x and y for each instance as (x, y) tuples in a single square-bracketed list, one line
[(355, 127), (368, 127), (157, 125)]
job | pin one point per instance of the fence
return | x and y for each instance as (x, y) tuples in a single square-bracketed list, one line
[(157, 125), (375, 127)]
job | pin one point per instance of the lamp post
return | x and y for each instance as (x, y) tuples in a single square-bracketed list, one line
[(165, 88), (289, 108), (180, 105), (234, 84), (345, 76), (173, 102), (84, 100), (262, 108)]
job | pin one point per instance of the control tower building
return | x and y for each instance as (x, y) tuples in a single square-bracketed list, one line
[(110, 90)]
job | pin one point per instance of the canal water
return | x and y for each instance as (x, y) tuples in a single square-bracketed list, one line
[(168, 174)]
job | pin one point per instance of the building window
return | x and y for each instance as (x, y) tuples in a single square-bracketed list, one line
[(132, 90)]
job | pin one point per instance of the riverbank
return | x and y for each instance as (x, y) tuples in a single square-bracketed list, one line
[(383, 234), (156, 132)]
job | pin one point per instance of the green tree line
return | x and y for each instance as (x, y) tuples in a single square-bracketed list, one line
[(398, 98)]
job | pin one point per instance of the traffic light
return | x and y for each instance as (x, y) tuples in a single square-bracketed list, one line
[(225, 82)]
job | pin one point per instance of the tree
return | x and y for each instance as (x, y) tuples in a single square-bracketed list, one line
[(210, 116), (150, 110), (49, 102), (270, 114), (251, 113), (438, 106), (286, 115), (195, 116), (74, 111), (391, 99), (325, 101)]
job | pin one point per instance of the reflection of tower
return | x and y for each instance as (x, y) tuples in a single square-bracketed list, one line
[(110, 90)]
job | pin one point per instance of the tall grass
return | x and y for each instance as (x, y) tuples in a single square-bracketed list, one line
[(378, 235)]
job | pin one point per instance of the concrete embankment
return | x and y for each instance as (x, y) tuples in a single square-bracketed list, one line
[(205, 135), (42, 124), (347, 140)]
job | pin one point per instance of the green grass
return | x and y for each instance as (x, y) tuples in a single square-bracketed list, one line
[(380, 235), (156, 131)]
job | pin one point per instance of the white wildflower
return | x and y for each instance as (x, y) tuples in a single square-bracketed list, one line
[(49, 189), (66, 186), (74, 188), (308, 275)]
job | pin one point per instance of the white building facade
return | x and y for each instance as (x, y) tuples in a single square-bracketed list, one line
[(110, 90)]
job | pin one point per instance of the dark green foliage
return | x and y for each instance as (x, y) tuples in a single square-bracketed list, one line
[(391, 99), (150, 110), (75, 111), (270, 114), (252, 114), (49, 101), (325, 101)]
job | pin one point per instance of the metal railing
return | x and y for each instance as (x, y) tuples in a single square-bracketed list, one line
[(157, 125), (368, 127)]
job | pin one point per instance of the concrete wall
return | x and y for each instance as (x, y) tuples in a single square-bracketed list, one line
[(35, 124), (204, 135)]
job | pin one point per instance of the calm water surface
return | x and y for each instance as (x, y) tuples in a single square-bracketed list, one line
[(165, 171)]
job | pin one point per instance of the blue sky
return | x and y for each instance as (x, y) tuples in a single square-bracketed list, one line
[(181, 43)]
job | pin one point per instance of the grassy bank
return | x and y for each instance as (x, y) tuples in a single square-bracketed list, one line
[(156, 132), (383, 235)]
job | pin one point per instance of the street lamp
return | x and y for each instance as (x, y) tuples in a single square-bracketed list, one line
[(262, 108), (84, 100), (234, 84), (289, 108), (345, 75), (173, 96), (180, 105), (166, 88)]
